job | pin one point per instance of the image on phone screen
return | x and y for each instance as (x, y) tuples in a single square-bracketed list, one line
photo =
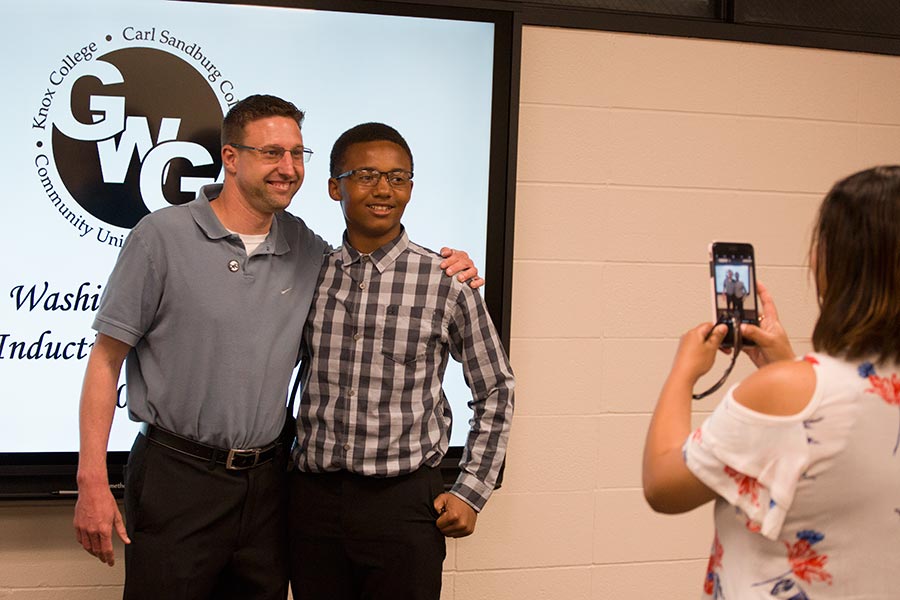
[(733, 271)]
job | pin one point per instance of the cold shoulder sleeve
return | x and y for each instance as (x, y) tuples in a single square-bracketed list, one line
[(752, 460)]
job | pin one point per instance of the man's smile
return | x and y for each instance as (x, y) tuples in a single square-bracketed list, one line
[(281, 184)]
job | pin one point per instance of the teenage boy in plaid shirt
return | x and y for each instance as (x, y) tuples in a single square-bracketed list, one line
[(368, 509)]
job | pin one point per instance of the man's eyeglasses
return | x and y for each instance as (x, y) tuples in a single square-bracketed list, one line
[(273, 154), (370, 177)]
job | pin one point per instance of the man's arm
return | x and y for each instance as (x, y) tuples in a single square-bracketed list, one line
[(96, 512), (475, 344)]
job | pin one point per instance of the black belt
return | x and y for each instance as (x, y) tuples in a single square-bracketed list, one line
[(235, 459)]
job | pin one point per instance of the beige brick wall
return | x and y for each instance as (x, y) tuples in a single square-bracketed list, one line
[(634, 152)]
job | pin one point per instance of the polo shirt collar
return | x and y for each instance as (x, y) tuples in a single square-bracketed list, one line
[(382, 258), (207, 220)]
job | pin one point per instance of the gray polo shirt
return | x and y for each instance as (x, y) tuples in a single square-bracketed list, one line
[(728, 287), (214, 333)]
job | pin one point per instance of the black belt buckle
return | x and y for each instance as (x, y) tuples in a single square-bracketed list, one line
[(236, 457)]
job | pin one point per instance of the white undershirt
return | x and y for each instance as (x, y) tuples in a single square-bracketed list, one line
[(251, 242)]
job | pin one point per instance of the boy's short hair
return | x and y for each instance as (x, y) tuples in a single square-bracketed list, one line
[(365, 132)]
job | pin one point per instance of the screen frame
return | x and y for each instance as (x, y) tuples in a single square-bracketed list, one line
[(52, 475)]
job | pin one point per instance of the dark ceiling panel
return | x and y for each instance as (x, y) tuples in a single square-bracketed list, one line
[(869, 17)]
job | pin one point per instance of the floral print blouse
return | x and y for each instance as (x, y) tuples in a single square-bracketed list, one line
[(808, 505)]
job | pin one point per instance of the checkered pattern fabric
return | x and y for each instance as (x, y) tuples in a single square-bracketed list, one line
[(375, 349)]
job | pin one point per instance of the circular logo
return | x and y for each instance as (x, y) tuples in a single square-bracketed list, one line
[(138, 130)]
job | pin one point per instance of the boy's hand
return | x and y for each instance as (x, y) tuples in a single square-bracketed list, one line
[(457, 518)]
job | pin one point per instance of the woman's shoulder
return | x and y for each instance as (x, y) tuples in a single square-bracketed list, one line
[(783, 388)]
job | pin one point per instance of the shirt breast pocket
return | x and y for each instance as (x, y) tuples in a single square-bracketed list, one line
[(408, 333)]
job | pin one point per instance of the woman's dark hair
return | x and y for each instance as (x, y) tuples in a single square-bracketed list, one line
[(855, 254)]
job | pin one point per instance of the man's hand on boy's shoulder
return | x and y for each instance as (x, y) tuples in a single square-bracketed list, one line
[(457, 262)]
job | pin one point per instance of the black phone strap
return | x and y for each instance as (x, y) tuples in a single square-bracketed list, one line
[(736, 350)]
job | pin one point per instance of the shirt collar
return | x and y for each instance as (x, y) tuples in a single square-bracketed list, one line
[(207, 221), (382, 258)]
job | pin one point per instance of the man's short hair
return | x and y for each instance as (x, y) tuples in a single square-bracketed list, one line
[(366, 132), (253, 108)]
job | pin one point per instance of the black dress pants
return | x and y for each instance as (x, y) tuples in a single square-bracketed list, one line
[(199, 531), (739, 308), (365, 538)]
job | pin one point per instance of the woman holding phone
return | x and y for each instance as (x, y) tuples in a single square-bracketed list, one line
[(802, 457)]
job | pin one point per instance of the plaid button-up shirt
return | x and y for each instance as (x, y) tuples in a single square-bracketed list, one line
[(375, 349)]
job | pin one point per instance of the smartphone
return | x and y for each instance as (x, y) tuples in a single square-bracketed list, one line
[(732, 272)]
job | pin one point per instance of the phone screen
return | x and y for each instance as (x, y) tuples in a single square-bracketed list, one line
[(733, 274)]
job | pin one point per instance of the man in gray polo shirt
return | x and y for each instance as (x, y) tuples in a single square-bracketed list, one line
[(208, 302), (728, 291)]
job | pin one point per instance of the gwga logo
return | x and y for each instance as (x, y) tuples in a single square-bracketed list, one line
[(133, 130)]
